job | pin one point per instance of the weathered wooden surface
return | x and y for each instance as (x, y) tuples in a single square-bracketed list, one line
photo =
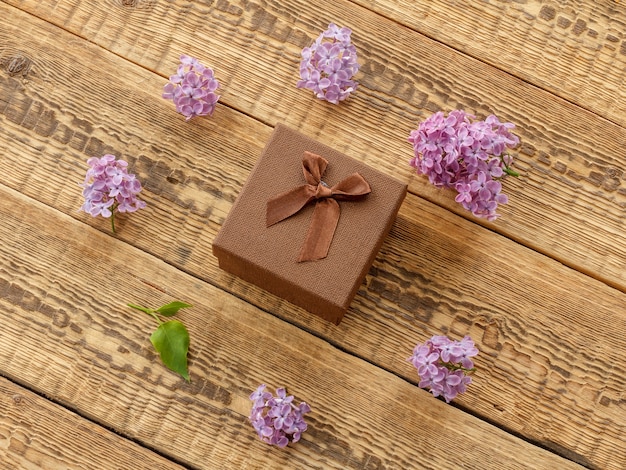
[(36, 434), (364, 416), (552, 338), (572, 182), (574, 49)]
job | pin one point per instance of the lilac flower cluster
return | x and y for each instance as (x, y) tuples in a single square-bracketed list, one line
[(442, 365), (108, 187), (275, 418), (456, 152), (328, 65), (192, 88)]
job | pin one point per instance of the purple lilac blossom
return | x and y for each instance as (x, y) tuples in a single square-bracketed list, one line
[(443, 365), (328, 65), (456, 152), (192, 88), (275, 418), (108, 187)]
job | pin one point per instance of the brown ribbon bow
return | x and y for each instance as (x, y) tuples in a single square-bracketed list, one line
[(326, 212)]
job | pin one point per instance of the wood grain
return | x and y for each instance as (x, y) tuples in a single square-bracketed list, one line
[(191, 185), (55, 113), (94, 353), (36, 434), (569, 203), (574, 49), (430, 277)]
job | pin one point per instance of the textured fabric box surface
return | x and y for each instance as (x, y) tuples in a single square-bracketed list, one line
[(267, 256)]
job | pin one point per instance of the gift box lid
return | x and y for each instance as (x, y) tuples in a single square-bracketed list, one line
[(268, 256)]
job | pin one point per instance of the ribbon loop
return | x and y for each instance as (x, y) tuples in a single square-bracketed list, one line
[(326, 213)]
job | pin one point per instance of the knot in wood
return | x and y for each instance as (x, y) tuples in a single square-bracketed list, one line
[(137, 4), (17, 399), (613, 173), (18, 64)]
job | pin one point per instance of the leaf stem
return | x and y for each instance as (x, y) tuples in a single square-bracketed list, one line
[(156, 317), (139, 307), (149, 311)]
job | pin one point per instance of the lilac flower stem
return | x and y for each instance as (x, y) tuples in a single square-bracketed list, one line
[(507, 169), (452, 367), (510, 172), (113, 216)]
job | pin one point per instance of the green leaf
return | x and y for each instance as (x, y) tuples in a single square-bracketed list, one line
[(170, 309), (171, 340)]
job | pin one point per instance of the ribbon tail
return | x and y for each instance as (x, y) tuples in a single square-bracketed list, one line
[(321, 230)]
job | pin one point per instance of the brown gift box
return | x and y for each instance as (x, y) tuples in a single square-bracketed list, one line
[(267, 256)]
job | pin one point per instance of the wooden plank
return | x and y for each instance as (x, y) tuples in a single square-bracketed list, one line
[(576, 51), (39, 435), (424, 281), (76, 336), (569, 202)]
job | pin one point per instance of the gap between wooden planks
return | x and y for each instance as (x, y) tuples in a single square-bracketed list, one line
[(77, 342), (569, 202), (37, 434), (189, 187)]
